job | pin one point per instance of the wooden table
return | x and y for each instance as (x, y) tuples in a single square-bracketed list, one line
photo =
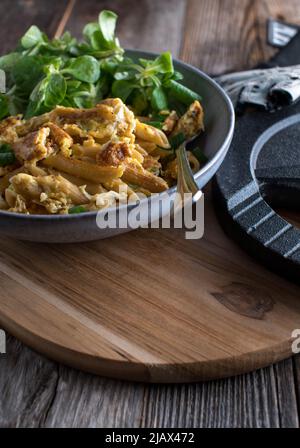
[(216, 35)]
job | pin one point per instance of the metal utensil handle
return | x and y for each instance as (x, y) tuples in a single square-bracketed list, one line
[(185, 181)]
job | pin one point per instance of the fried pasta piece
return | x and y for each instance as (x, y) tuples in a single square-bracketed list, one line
[(151, 134), (116, 154), (53, 192), (85, 170), (191, 123), (170, 122), (139, 176), (113, 154), (16, 203), (33, 146), (91, 188), (8, 129), (61, 139), (109, 118), (147, 147)]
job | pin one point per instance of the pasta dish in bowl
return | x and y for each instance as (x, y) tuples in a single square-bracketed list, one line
[(85, 125), (77, 160)]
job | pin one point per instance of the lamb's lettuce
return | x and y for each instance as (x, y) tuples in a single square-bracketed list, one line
[(42, 73)]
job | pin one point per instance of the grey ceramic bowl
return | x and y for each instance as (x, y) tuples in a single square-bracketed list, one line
[(219, 125)]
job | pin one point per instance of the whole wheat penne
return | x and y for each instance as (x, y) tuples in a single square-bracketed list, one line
[(144, 179), (79, 168), (141, 150), (86, 150), (148, 147), (151, 134), (90, 187), (35, 170), (91, 151)]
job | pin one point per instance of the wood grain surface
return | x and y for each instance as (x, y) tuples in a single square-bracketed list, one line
[(37, 392), (148, 305)]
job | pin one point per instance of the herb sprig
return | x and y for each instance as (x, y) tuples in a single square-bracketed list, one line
[(42, 73)]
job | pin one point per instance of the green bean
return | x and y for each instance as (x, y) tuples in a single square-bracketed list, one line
[(199, 154), (182, 93), (76, 209)]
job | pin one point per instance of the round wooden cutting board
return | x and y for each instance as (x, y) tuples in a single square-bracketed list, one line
[(148, 305)]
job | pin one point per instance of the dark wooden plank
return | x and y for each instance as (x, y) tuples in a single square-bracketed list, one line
[(260, 399), (236, 36), (296, 366), (152, 25), (287, 394), (17, 16), (27, 386), (229, 42), (36, 392), (84, 400)]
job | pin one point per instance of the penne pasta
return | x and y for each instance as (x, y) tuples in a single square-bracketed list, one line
[(141, 150), (148, 147), (35, 170), (144, 179), (90, 187), (85, 170), (150, 134)]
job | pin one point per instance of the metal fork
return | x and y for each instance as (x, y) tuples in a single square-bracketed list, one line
[(185, 177)]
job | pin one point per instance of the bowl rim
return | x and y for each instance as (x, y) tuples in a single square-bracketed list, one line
[(214, 160)]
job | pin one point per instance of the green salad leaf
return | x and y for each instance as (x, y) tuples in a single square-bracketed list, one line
[(54, 90), (8, 61), (159, 100), (107, 25), (42, 73), (4, 109), (85, 68), (32, 37), (122, 89)]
